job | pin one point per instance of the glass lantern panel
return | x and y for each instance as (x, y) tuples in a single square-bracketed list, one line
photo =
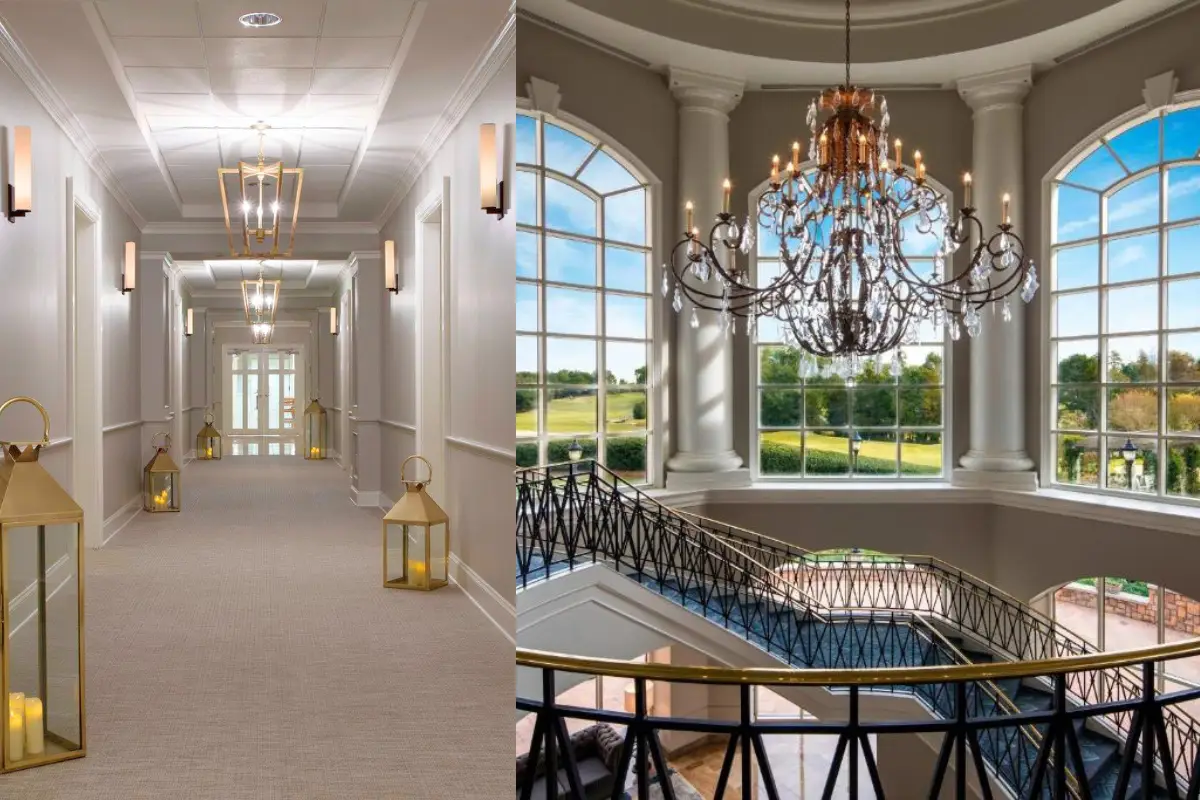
[(45, 695), (162, 491), (439, 557), (395, 552)]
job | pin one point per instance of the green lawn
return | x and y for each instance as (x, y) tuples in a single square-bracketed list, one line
[(578, 415), (928, 455)]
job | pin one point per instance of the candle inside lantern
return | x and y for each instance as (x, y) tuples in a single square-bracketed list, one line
[(728, 188), (416, 571), (35, 729), (967, 189), (210, 452), (314, 451), (16, 726)]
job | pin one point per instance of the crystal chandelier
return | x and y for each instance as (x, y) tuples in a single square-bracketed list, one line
[(260, 298), (845, 289), (260, 203)]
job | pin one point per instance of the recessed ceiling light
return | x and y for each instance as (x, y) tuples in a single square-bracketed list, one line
[(260, 19)]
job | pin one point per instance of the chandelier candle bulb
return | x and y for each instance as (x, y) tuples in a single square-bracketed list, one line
[(727, 187), (796, 152), (899, 154), (1004, 208), (689, 209), (35, 727), (967, 189), (775, 170), (824, 140)]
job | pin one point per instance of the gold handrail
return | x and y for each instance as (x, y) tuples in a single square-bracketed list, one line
[(873, 676)]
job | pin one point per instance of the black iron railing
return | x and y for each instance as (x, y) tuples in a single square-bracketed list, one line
[(817, 612)]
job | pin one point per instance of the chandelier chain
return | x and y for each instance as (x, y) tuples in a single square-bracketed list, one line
[(847, 43)]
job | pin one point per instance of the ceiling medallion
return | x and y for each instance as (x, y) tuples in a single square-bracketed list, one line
[(845, 289), (260, 298), (261, 206), (260, 19)]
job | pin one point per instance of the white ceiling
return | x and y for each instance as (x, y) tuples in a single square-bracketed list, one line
[(225, 276), (166, 91)]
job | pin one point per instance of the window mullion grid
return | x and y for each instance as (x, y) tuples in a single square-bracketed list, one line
[(601, 340), (543, 446), (1102, 349), (1160, 444)]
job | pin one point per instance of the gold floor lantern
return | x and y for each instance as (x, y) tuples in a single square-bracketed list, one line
[(416, 538), (160, 486), (314, 430), (208, 440), (41, 583)]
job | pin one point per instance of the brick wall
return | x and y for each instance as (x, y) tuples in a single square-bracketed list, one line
[(1180, 613)]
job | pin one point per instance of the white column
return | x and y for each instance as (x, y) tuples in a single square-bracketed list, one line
[(703, 356), (997, 454)]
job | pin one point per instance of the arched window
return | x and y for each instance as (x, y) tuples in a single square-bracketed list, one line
[(888, 422), (583, 300), (1125, 310)]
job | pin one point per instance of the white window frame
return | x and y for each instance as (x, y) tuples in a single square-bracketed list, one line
[(656, 418), (1048, 424), (755, 428)]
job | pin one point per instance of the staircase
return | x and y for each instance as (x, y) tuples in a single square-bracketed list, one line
[(849, 614)]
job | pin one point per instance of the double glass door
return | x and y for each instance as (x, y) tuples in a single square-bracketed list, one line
[(263, 400)]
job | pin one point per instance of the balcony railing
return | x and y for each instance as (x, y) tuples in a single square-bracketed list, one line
[(830, 616)]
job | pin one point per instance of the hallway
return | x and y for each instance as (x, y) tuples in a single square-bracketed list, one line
[(244, 648)]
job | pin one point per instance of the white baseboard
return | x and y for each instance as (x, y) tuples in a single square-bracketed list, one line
[(494, 606), (363, 498), (121, 517)]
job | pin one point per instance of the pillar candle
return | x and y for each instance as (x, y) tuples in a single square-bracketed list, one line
[(35, 738), (16, 726)]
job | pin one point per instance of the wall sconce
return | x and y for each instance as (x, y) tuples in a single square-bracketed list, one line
[(20, 191), (491, 187), (391, 278), (333, 328), (129, 274), (188, 326)]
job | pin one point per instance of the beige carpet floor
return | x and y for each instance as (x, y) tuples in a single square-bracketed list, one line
[(244, 648)]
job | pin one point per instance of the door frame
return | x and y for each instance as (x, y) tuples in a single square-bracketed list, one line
[(433, 333), (227, 389), (85, 349)]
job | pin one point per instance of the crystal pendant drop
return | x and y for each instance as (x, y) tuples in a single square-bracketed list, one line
[(666, 284), (972, 320), (695, 320), (952, 325), (1006, 311), (1030, 287), (677, 301), (752, 329), (1005, 244)]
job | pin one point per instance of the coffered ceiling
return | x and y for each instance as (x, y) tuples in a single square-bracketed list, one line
[(165, 91), (221, 277)]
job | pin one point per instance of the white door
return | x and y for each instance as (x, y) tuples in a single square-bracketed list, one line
[(263, 400)]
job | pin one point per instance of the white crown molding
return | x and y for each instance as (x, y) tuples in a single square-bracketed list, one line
[(211, 228), (23, 66), (501, 50)]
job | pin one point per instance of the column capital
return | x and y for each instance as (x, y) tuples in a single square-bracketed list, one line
[(700, 90), (1004, 88)]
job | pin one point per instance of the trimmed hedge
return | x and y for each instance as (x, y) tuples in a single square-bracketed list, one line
[(625, 454), (782, 459)]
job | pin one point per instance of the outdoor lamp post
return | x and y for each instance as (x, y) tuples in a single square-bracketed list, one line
[(41, 573), (855, 446), (1129, 453), (574, 453), (160, 484), (416, 535)]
